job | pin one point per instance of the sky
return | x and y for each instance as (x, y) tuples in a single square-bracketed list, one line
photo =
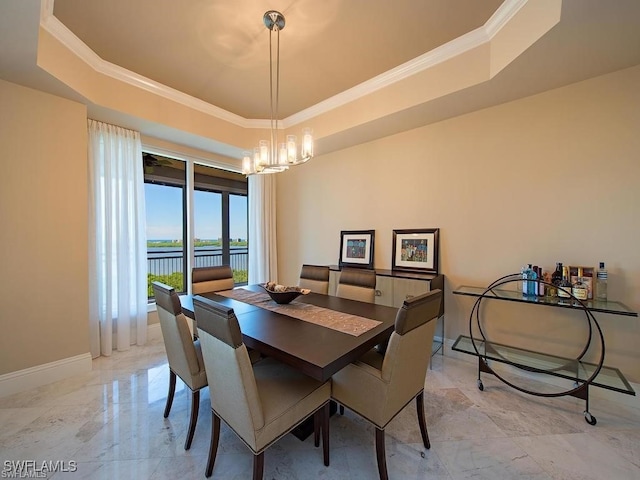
[(164, 214)]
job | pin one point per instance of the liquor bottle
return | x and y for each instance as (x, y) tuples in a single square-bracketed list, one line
[(564, 288), (541, 285), (556, 278), (601, 283), (524, 274), (549, 289), (528, 281), (532, 284), (579, 289)]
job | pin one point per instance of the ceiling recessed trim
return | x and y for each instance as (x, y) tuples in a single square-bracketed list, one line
[(65, 36), (436, 56), (452, 49)]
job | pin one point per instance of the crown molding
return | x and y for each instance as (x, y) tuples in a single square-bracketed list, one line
[(456, 47), (65, 36), (449, 50)]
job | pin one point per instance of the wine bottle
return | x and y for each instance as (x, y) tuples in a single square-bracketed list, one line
[(601, 283), (556, 278)]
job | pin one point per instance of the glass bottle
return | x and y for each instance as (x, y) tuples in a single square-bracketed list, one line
[(601, 283), (540, 284), (564, 287), (533, 281), (579, 289), (556, 278), (528, 281), (524, 274)]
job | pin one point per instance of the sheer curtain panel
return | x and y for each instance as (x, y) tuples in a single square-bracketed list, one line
[(263, 260), (117, 239)]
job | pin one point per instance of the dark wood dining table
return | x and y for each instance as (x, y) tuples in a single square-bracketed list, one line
[(316, 350)]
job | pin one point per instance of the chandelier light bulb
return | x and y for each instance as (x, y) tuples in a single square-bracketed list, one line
[(292, 149), (307, 143)]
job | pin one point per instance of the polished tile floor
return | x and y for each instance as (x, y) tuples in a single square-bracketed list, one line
[(110, 422)]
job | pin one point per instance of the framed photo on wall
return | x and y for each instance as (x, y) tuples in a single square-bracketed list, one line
[(415, 250), (356, 248)]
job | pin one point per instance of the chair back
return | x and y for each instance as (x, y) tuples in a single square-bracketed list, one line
[(232, 384), (357, 284), (178, 341), (406, 360), (211, 279), (315, 278)]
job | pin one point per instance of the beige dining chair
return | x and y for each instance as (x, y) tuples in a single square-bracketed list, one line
[(184, 355), (357, 284), (261, 402), (211, 279), (378, 387), (315, 278)]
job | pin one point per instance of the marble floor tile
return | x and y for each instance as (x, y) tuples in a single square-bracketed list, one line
[(110, 421)]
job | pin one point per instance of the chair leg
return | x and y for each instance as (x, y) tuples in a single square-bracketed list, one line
[(326, 413), (258, 466), (172, 390), (380, 454), (213, 445), (195, 406), (421, 421), (341, 409)]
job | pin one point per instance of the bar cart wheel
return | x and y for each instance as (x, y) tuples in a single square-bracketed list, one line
[(590, 419), (480, 385)]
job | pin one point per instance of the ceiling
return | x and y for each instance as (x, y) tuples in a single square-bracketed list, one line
[(217, 51)]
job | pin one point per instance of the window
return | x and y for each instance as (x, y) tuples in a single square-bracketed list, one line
[(218, 215)]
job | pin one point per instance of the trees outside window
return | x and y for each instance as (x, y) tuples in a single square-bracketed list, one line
[(217, 215)]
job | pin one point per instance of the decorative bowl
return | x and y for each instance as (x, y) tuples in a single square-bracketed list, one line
[(285, 294)]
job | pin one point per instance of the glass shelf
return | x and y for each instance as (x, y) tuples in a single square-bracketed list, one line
[(571, 369), (615, 308)]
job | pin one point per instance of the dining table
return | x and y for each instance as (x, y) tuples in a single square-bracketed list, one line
[(314, 349)]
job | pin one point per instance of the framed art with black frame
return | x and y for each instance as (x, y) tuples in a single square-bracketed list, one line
[(356, 248), (415, 250)]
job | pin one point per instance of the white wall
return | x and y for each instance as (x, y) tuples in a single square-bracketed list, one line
[(552, 177)]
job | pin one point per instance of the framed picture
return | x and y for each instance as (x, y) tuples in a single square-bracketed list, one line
[(356, 248), (415, 250)]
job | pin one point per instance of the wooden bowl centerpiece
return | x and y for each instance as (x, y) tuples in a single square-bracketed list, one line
[(281, 294)]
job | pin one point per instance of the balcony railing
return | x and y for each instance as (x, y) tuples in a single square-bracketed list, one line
[(161, 262)]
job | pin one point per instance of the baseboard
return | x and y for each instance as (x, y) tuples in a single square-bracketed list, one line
[(39, 375), (595, 393)]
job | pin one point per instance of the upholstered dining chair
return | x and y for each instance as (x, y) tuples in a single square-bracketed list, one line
[(315, 278), (357, 284), (378, 387), (184, 355), (261, 402), (211, 279)]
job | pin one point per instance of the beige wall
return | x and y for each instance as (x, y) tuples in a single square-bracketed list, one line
[(43, 239), (552, 177)]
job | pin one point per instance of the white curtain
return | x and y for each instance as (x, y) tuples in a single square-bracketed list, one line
[(117, 239), (263, 260)]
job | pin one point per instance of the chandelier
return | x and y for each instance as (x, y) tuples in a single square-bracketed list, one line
[(270, 156)]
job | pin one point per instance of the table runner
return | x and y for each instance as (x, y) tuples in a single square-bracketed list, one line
[(342, 322)]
